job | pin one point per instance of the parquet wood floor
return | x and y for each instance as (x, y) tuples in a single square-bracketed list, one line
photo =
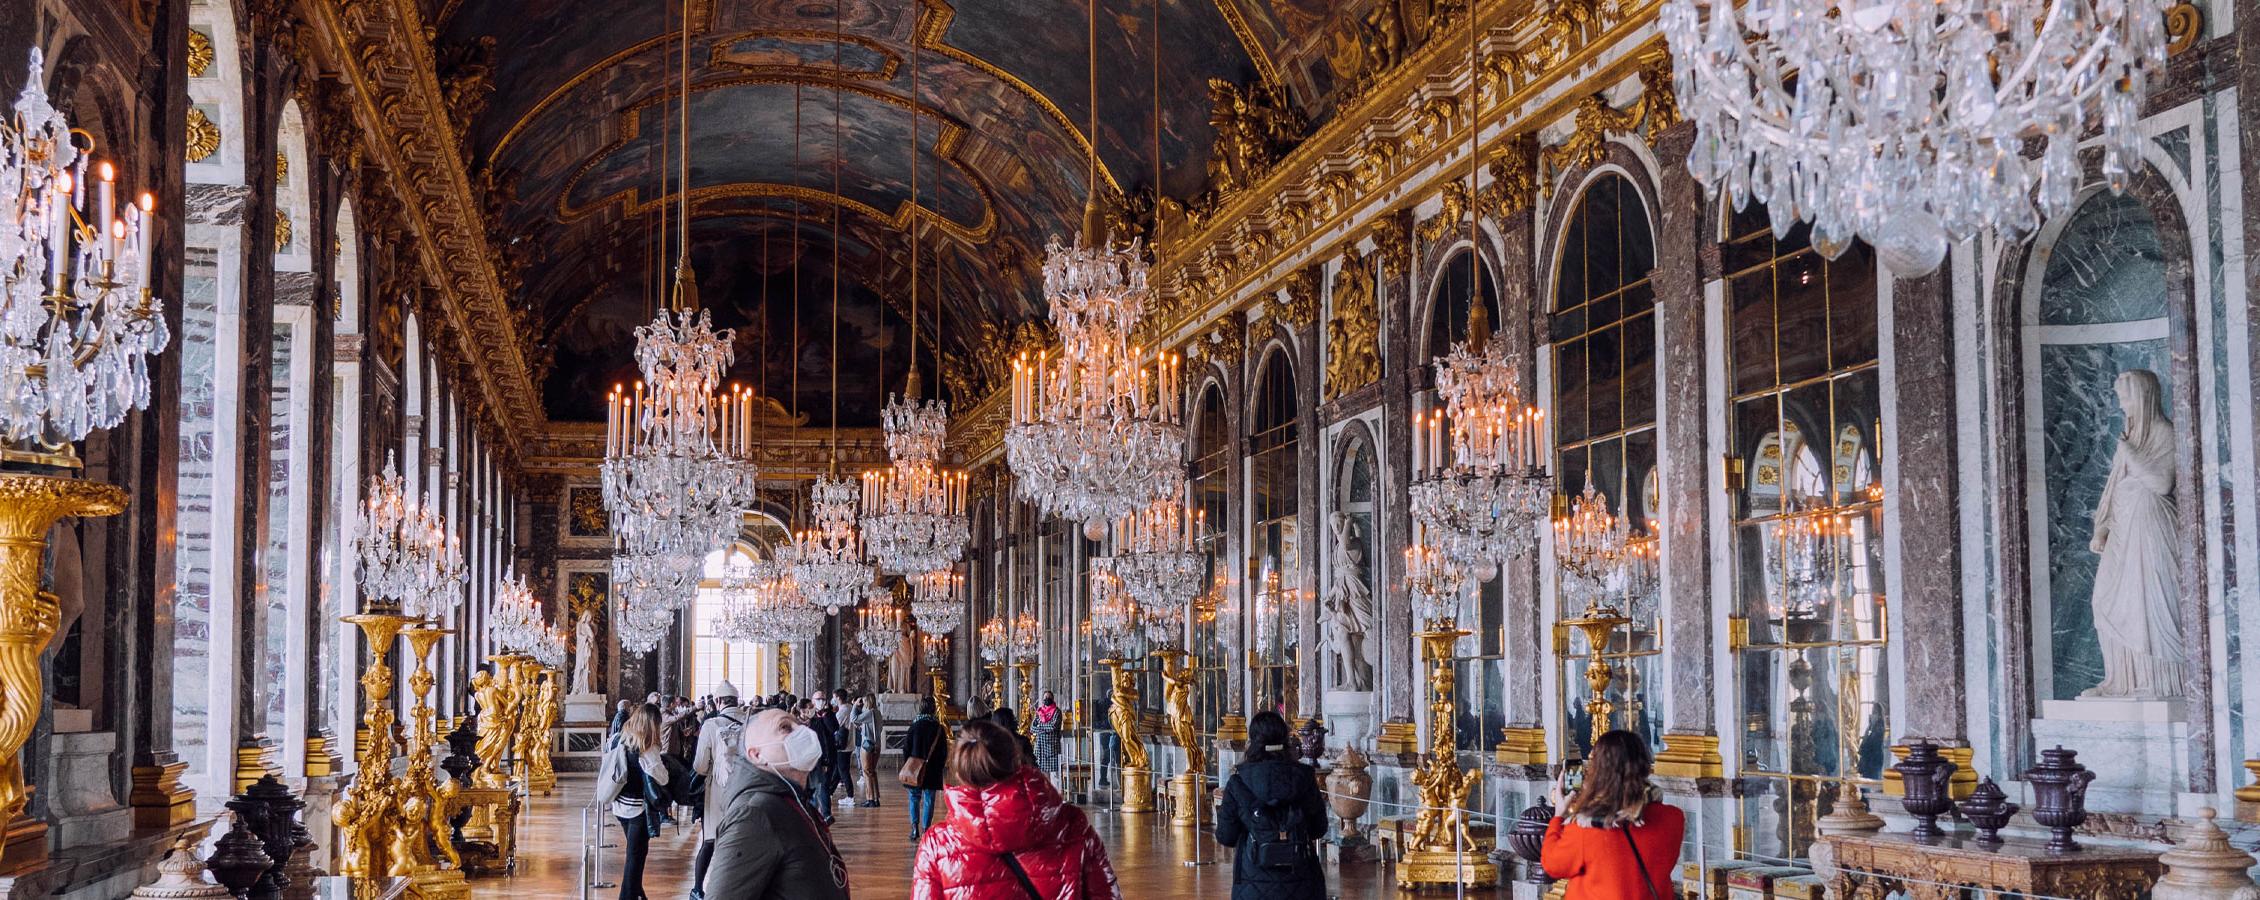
[(1149, 856)]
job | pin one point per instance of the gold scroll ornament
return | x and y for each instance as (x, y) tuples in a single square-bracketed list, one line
[(30, 505)]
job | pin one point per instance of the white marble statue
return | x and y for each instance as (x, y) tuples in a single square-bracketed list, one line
[(1348, 611), (584, 654), (2136, 583)]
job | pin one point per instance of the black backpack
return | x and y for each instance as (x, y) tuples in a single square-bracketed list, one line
[(1275, 834)]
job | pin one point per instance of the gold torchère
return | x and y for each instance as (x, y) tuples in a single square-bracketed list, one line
[(996, 685), (1443, 848), (422, 799), (1188, 791), (541, 712), (366, 817), (497, 694), (785, 668), (1597, 623), (1137, 779), (1027, 670), (29, 506)]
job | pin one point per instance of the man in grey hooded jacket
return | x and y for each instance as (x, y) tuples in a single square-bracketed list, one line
[(767, 844), (720, 740)]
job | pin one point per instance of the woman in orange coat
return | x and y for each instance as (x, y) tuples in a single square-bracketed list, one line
[(1009, 834), (1615, 839)]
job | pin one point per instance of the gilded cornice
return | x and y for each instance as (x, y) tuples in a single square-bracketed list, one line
[(384, 50), (574, 449), (976, 435)]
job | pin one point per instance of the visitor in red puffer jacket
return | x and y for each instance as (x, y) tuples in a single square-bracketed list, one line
[(1004, 814)]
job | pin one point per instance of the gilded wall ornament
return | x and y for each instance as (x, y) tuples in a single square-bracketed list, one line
[(1220, 344), (282, 231), (1448, 219), (1299, 307), (203, 136), (282, 168), (1655, 110), (199, 53), (584, 513), (1255, 126), (1353, 349), (1514, 177), (1392, 245), (2185, 25)]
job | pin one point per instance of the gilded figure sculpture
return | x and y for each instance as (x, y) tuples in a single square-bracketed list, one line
[(1177, 671), (1123, 714), (1353, 350)]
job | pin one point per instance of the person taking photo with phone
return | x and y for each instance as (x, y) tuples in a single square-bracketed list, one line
[(1613, 838)]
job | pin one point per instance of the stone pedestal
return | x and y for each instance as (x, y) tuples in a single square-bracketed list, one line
[(82, 807), (1188, 800), (1137, 791), (1349, 716), (584, 709), (2138, 749)]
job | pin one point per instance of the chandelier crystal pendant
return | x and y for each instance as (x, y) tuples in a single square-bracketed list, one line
[(408, 557), (647, 590), (1158, 557), (938, 601), (1905, 122), (1479, 479), (827, 558), (914, 509), (77, 322), (516, 620)]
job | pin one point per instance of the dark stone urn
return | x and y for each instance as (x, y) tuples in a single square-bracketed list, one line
[(1312, 737), (2059, 796), (239, 859), (462, 751), (1527, 838), (1926, 776), (1988, 808)]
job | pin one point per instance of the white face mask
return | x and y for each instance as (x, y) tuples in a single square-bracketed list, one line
[(802, 749)]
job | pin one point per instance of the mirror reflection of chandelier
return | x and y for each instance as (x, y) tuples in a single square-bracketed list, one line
[(938, 600), (515, 620), (647, 590), (1435, 578), (409, 559), (1599, 557), (995, 646), (77, 324), (1480, 482), (762, 605), (879, 630), (1027, 637), (1905, 122), (1114, 616)]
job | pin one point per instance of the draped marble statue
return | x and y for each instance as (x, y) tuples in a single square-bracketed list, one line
[(1348, 611), (584, 654), (2137, 584)]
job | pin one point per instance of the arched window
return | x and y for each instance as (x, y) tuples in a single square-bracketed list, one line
[(208, 593), (1212, 483), (715, 657), (1448, 313), (1274, 547), (1807, 514), (1603, 331)]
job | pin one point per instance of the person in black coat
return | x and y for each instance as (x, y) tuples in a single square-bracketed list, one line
[(1269, 793), (929, 738)]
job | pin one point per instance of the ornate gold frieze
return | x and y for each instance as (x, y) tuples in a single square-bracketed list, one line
[(1353, 346), (1514, 177), (203, 136), (199, 53)]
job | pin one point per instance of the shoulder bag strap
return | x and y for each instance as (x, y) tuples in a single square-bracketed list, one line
[(1626, 829), (1021, 875)]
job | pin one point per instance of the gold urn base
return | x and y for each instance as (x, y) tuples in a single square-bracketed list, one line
[(1188, 794), (1471, 867), (1137, 791), (439, 884)]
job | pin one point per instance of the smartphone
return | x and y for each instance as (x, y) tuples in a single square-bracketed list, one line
[(1572, 775)]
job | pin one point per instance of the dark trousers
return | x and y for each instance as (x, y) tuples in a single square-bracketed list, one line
[(637, 845), (699, 863)]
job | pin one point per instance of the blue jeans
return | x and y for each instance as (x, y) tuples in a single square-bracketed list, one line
[(921, 809)]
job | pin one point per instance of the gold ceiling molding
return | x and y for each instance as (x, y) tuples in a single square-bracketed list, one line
[(946, 146), (1257, 52), (1368, 150), (383, 48), (928, 33), (782, 453)]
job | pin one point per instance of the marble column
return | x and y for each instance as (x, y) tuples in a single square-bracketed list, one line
[(1397, 669), (1683, 246), (2248, 171), (1919, 384), (1310, 529), (256, 750)]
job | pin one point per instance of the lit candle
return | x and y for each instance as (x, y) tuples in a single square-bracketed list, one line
[(106, 202), (141, 239)]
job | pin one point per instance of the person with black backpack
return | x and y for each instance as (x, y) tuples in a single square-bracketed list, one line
[(1273, 816), (631, 782), (721, 740)]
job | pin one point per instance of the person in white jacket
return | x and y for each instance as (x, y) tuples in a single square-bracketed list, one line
[(720, 741), (628, 783)]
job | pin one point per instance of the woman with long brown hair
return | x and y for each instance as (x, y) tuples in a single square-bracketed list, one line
[(1614, 838), (629, 783), (1009, 835)]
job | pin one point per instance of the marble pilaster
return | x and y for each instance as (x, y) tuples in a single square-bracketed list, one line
[(1919, 383)]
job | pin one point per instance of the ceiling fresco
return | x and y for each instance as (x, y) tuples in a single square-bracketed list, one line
[(572, 110)]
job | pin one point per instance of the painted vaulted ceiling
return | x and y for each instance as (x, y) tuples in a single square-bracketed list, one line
[(567, 107)]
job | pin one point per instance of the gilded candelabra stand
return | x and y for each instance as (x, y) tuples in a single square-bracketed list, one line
[(539, 713), (996, 684), (785, 666), (1027, 670), (1598, 623), (29, 506), (422, 837), (1137, 777), (1444, 848), (366, 818), (1188, 790)]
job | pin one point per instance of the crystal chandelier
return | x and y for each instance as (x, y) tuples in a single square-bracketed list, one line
[(938, 600), (827, 558), (915, 519), (1157, 555), (880, 631), (1435, 579), (1479, 480), (995, 645), (408, 557), (1114, 616), (1905, 122), (678, 468), (549, 652), (77, 323), (1095, 433), (1595, 550), (516, 621), (647, 591), (1027, 637)]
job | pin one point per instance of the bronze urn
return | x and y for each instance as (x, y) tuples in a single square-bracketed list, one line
[(1926, 775), (2059, 795), (1988, 808)]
